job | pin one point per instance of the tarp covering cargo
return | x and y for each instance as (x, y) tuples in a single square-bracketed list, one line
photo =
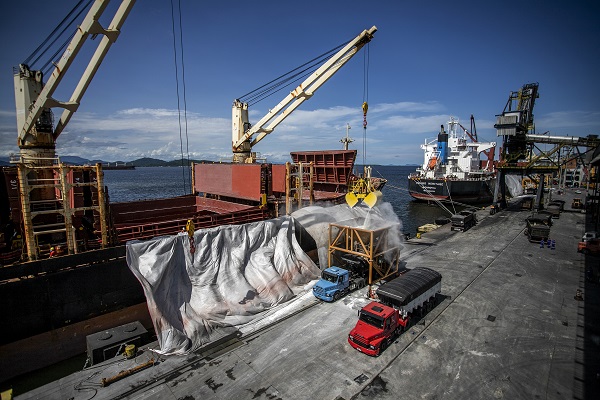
[(236, 273), (405, 288)]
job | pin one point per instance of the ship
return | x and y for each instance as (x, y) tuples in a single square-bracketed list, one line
[(116, 166), (452, 168), (64, 271), (56, 301)]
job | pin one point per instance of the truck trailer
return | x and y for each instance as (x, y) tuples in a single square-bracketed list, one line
[(400, 301), (537, 229), (463, 220)]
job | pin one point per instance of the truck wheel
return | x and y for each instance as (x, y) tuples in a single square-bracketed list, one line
[(384, 345), (337, 296)]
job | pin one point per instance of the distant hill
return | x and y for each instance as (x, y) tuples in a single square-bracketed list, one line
[(154, 162), (141, 162), (148, 162), (74, 160)]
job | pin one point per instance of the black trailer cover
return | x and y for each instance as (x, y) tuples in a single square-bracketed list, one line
[(405, 288)]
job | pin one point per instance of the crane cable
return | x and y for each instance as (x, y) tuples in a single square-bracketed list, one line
[(187, 147), (286, 79), (56, 34), (365, 105), (177, 90)]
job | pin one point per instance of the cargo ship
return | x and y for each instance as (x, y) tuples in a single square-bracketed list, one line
[(64, 272), (117, 166), (55, 302), (453, 170)]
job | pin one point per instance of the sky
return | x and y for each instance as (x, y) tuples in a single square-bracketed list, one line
[(428, 61)]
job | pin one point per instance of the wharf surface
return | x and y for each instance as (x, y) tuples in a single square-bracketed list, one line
[(509, 326)]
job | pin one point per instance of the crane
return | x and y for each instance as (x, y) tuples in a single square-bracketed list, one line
[(515, 122), (489, 152), (34, 102), (245, 136), (43, 184)]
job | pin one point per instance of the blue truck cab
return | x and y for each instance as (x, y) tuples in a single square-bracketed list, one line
[(335, 283)]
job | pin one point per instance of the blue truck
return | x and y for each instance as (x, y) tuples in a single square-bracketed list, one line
[(336, 282)]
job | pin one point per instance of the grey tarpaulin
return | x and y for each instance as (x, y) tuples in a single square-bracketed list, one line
[(514, 185), (236, 272)]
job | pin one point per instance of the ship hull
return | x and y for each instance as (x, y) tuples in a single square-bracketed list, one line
[(476, 191), (65, 298)]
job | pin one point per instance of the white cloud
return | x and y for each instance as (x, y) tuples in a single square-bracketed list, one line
[(156, 113), (394, 132), (406, 106)]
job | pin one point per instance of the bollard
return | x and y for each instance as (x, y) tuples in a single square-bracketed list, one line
[(549, 243), (553, 244), (542, 244)]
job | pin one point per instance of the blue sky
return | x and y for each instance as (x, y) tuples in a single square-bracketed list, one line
[(428, 61)]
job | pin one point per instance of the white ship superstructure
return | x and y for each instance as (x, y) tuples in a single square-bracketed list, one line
[(453, 155), (452, 168)]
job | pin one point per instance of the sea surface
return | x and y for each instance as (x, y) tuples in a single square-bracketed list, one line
[(159, 182)]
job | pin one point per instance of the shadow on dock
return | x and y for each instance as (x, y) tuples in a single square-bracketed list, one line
[(587, 347)]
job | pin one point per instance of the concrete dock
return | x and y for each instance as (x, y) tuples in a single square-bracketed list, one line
[(510, 325)]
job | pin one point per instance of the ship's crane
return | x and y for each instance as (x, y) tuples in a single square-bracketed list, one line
[(489, 153), (517, 128), (245, 136), (45, 190), (34, 99), (515, 122)]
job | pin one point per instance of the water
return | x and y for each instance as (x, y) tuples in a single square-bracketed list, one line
[(160, 182), (147, 183), (412, 213)]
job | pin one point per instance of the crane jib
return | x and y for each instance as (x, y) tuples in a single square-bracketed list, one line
[(242, 138)]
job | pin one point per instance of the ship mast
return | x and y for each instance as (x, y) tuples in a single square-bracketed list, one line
[(347, 140)]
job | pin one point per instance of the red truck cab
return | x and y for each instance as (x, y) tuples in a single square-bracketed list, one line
[(376, 328), (591, 246)]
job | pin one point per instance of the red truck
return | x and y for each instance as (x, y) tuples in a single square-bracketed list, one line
[(400, 300), (590, 246)]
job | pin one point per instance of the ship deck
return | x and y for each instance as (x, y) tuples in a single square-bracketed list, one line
[(509, 326)]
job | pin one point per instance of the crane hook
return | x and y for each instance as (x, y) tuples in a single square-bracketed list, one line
[(189, 228)]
